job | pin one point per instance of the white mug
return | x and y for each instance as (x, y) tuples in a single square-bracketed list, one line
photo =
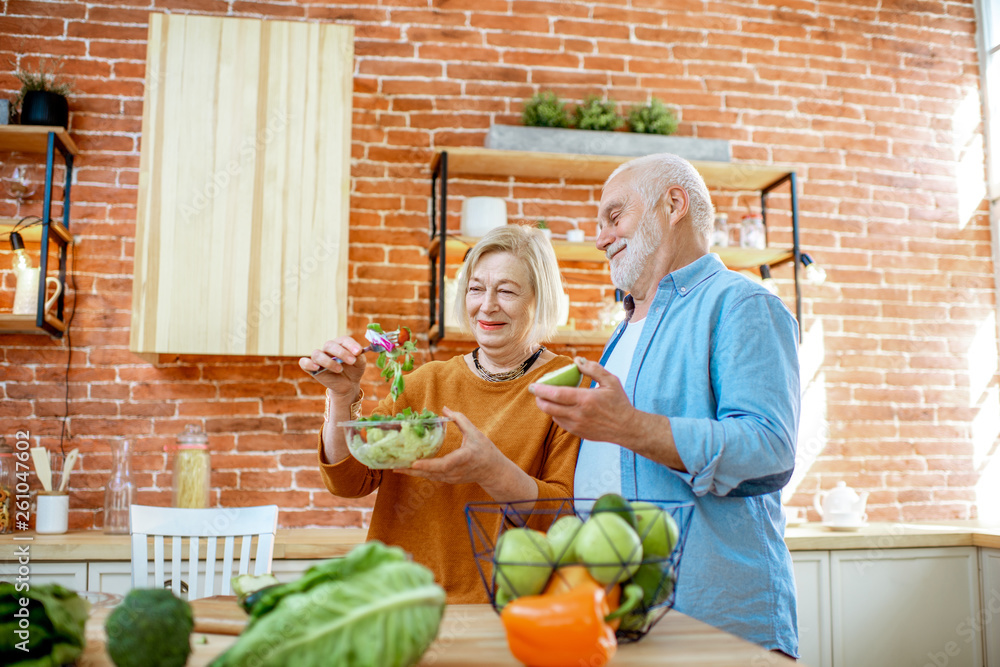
[(52, 513), (26, 294), (575, 236)]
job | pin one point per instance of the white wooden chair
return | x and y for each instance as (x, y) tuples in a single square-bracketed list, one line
[(176, 524)]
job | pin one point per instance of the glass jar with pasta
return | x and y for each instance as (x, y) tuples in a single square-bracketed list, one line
[(7, 480), (192, 468)]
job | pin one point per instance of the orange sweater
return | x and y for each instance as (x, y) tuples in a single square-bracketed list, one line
[(427, 518)]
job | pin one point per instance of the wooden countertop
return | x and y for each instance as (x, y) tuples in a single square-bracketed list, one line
[(474, 635), (813, 536), (94, 545), (319, 543)]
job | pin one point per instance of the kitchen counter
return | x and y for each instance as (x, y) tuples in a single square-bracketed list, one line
[(319, 543), (95, 546), (474, 635), (814, 536)]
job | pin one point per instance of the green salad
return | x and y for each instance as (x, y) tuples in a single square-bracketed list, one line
[(397, 441)]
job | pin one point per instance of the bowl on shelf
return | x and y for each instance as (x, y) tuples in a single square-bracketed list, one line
[(545, 552), (394, 443)]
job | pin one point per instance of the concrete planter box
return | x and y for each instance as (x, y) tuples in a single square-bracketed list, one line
[(590, 142)]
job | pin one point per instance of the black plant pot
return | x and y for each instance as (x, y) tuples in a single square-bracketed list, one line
[(40, 107)]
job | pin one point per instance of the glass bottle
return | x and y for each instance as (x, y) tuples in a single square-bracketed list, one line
[(752, 234), (720, 234), (192, 468), (118, 492), (6, 488)]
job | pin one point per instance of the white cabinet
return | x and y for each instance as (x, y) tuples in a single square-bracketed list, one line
[(989, 565), (116, 576), (290, 570), (812, 584), (906, 607), (70, 575), (109, 577)]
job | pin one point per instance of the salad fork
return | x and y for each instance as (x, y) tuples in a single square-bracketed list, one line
[(378, 342)]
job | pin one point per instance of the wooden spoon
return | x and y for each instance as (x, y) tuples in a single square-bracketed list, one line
[(67, 466), (40, 456)]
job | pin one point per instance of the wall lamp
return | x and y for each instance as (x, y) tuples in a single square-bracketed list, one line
[(767, 281), (814, 272)]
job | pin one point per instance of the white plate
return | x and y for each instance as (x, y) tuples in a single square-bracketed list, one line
[(845, 527)]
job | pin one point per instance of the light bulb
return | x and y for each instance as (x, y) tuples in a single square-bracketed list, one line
[(22, 260), (815, 273), (766, 281)]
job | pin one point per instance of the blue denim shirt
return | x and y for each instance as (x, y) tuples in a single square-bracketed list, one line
[(718, 355)]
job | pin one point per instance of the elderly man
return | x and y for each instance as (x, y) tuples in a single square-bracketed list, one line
[(696, 398)]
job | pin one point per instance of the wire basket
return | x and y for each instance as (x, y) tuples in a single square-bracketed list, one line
[(488, 521)]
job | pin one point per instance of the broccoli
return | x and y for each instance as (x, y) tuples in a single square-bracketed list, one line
[(150, 628)]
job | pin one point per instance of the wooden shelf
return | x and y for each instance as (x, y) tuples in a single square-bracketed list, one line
[(473, 163), (10, 323), (464, 161), (33, 234), (562, 337), (737, 259), (33, 138)]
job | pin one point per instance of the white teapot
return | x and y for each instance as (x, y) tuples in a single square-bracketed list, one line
[(842, 505)]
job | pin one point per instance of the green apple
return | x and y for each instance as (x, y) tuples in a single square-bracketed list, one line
[(567, 376), (612, 502), (608, 546), (523, 561), (562, 537), (656, 528)]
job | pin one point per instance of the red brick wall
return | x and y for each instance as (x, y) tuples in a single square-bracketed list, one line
[(861, 101)]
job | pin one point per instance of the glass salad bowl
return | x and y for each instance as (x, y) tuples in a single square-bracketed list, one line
[(394, 442)]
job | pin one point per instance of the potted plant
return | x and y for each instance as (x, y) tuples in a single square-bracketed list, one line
[(545, 110), (653, 118), (544, 226), (597, 114), (42, 98), (547, 129)]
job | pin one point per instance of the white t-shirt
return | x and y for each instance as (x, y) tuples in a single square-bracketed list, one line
[(599, 466)]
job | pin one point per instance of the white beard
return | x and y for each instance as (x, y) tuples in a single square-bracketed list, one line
[(629, 264)]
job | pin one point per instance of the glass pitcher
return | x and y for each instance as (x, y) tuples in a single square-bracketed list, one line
[(118, 493)]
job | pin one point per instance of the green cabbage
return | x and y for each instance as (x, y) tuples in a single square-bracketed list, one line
[(372, 608), (47, 631)]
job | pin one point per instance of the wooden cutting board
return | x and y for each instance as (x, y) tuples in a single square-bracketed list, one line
[(220, 614)]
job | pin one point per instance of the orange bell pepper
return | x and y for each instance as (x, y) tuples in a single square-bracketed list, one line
[(562, 629), (569, 577)]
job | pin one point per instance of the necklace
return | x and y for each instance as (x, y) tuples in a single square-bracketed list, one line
[(506, 375)]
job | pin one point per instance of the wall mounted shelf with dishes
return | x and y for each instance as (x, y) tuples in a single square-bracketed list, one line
[(486, 162), (48, 141)]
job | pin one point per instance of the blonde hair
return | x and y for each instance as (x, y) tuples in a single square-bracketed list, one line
[(655, 173), (532, 248)]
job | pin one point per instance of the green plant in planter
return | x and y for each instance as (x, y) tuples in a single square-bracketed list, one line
[(44, 94), (653, 118), (545, 110), (541, 224), (598, 114)]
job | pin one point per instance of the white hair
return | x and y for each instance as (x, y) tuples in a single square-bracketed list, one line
[(532, 248), (655, 173)]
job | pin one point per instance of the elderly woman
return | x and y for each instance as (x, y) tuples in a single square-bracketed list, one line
[(501, 447)]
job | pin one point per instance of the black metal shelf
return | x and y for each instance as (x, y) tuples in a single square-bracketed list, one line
[(47, 140), (486, 162)]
